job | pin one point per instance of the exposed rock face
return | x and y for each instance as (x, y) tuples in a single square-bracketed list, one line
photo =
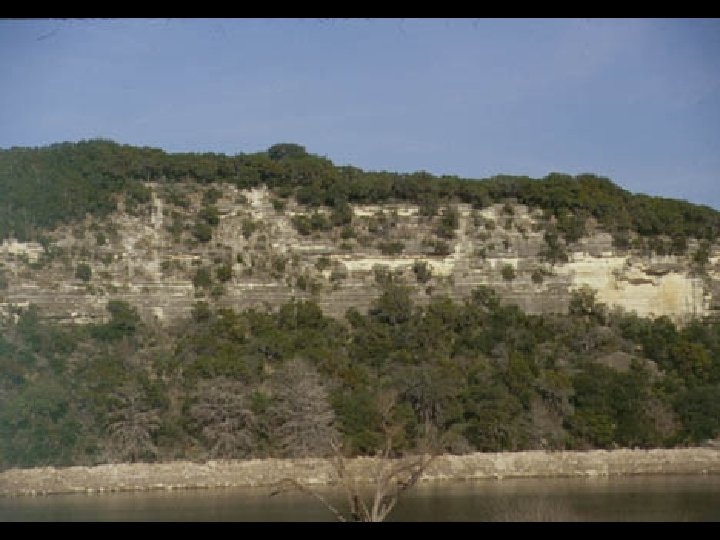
[(149, 260), (266, 472)]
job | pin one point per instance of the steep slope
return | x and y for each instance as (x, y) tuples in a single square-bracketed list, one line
[(242, 248)]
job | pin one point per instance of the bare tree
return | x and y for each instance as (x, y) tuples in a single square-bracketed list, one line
[(388, 479), (301, 418), (131, 424), (222, 409)]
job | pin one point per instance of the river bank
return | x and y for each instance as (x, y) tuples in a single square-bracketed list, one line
[(317, 471)]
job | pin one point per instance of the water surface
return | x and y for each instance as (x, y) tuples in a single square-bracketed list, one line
[(634, 498)]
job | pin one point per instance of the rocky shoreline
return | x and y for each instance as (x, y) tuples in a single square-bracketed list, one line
[(265, 472)]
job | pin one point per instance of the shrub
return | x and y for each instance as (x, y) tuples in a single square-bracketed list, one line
[(302, 282), (323, 263), (209, 214), (342, 214), (441, 249), (217, 290), (248, 228), (555, 251), (202, 278), (223, 273), (339, 273), (201, 312), (301, 224), (319, 222), (202, 232), (391, 248), (211, 196), (448, 223), (347, 232), (83, 272), (422, 271), (279, 263)]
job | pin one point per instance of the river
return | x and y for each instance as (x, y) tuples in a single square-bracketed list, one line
[(629, 498)]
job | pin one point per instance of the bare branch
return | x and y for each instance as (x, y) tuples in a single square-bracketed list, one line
[(391, 477), (303, 488)]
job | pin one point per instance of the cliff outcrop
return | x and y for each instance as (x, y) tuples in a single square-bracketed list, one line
[(150, 256)]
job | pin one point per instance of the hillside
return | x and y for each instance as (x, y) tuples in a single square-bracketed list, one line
[(162, 231), (216, 296)]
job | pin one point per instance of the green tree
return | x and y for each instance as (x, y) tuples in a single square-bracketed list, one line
[(278, 152), (38, 426), (699, 409), (124, 322), (394, 305)]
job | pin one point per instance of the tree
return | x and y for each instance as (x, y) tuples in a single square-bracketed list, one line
[(583, 303), (555, 251), (123, 317), (300, 415), (700, 412), (390, 476), (278, 152), (223, 412), (393, 306), (131, 425), (124, 322), (38, 426)]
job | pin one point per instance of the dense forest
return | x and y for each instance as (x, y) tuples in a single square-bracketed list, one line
[(43, 187), (472, 376)]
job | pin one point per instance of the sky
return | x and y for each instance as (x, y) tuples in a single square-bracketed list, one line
[(636, 100)]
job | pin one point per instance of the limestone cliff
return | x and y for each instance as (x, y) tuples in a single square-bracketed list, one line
[(148, 256)]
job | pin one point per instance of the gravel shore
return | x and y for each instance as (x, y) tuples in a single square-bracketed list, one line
[(265, 472)]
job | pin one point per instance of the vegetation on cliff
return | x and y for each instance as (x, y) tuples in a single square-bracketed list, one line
[(43, 187), (478, 375)]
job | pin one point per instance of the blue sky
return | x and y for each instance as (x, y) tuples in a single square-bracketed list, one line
[(632, 99)]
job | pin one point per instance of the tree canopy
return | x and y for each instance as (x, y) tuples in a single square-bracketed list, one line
[(476, 376), (43, 187)]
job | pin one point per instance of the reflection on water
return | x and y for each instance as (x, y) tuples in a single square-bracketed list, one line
[(640, 498)]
